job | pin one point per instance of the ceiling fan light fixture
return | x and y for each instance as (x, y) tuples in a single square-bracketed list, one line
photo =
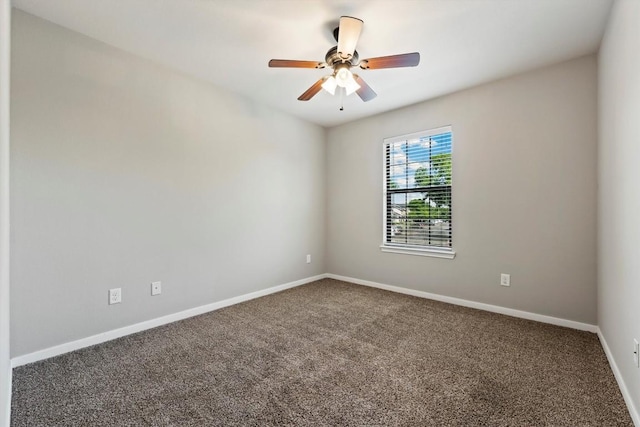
[(344, 78), (343, 75), (330, 85)]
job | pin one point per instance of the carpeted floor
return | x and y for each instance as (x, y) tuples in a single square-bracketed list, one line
[(326, 354)]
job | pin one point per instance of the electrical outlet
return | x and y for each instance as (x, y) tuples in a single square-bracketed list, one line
[(505, 279), (636, 355), (309, 259), (156, 288), (115, 296)]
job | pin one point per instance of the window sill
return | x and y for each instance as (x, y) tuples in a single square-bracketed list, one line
[(431, 252)]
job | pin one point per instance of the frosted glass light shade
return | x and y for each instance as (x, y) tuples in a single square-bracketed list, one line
[(343, 75), (351, 85), (330, 85)]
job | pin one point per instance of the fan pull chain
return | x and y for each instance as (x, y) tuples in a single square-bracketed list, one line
[(342, 90)]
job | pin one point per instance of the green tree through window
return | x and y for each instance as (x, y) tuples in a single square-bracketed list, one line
[(436, 203)]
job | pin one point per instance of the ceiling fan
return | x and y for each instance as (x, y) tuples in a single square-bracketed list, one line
[(342, 58)]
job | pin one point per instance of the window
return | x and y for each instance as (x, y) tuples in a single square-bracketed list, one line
[(417, 194)]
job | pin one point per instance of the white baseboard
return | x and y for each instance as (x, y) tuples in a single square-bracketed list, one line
[(148, 324), (472, 304), (138, 327), (635, 415)]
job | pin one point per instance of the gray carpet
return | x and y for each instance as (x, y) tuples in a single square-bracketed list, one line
[(329, 353)]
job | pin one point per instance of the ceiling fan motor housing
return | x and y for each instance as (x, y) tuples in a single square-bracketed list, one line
[(333, 58)]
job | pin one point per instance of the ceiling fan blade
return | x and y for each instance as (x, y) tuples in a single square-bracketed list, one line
[(311, 92), (348, 35), (365, 92), (289, 63), (393, 61)]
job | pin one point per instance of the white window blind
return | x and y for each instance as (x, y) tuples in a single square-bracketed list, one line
[(417, 191)]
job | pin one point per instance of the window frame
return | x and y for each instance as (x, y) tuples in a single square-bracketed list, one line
[(399, 248)]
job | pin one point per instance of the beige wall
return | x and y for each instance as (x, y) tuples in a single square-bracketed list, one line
[(5, 364), (524, 194), (619, 195), (126, 172)]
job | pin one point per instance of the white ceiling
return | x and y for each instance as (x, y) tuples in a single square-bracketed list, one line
[(461, 42)]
